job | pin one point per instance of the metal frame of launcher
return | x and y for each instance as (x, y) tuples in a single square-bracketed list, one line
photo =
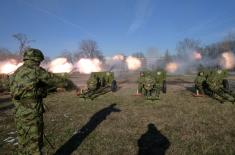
[(98, 84), (151, 83), (213, 83)]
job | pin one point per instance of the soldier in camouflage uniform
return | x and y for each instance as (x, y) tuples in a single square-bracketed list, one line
[(199, 82), (215, 85), (141, 83), (28, 86), (92, 83), (151, 91)]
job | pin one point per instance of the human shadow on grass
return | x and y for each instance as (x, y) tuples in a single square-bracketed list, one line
[(75, 141), (153, 142)]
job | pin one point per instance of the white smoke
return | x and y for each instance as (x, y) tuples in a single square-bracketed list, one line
[(60, 65), (9, 66), (87, 66)]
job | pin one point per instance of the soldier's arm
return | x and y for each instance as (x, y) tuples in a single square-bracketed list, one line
[(47, 77)]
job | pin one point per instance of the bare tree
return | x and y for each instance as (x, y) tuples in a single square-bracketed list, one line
[(152, 52), (89, 49), (167, 57), (68, 55), (228, 44), (23, 40), (6, 54), (230, 36), (215, 50), (151, 58), (187, 46), (139, 55)]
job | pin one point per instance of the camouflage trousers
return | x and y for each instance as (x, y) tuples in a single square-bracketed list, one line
[(29, 124), (152, 94), (140, 88), (200, 89)]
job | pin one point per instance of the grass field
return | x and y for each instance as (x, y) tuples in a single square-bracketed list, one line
[(122, 124)]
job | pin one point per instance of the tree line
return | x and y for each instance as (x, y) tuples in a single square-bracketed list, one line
[(90, 49)]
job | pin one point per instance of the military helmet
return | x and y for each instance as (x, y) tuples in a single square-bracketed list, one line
[(33, 54), (201, 73)]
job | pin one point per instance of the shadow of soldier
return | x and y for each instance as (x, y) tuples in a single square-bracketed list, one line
[(153, 142), (75, 141)]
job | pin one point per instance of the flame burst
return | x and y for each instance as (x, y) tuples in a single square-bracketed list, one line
[(87, 66), (172, 67), (228, 60), (118, 57), (133, 63), (9, 66), (197, 56), (60, 65)]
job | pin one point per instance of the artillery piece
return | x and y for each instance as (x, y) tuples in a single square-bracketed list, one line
[(213, 83), (98, 84), (151, 83)]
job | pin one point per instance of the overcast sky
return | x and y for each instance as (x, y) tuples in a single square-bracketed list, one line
[(118, 26)]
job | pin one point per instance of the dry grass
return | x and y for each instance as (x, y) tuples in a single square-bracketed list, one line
[(190, 125)]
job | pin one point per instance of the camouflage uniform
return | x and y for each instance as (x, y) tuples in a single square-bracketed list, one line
[(215, 85), (100, 79), (92, 83), (151, 89), (109, 77), (28, 87), (199, 82), (141, 83)]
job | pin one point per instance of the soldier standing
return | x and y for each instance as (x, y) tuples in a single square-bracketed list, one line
[(28, 87), (199, 83), (140, 83)]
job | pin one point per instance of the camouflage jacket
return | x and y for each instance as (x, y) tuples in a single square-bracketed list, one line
[(199, 80), (149, 82), (30, 81), (214, 82)]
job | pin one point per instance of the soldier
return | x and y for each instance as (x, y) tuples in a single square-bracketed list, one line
[(199, 83), (151, 88), (28, 86), (215, 85), (92, 83), (141, 83)]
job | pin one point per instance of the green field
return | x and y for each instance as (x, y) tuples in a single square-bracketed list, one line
[(117, 123)]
